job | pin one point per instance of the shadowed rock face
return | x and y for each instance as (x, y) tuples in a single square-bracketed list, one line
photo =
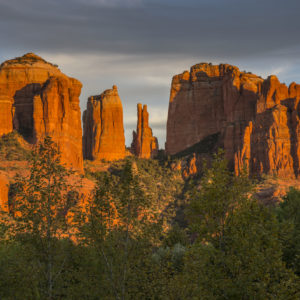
[(258, 120), (144, 144), (103, 136), (37, 99)]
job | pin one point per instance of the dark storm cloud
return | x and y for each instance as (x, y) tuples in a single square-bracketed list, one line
[(183, 27), (139, 45)]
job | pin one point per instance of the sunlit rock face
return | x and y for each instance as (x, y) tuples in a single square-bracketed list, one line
[(57, 113), (103, 127), (37, 99), (144, 144), (258, 120), (4, 187)]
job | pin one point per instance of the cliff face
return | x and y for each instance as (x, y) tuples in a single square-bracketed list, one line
[(144, 144), (258, 120), (37, 99), (103, 127), (56, 112)]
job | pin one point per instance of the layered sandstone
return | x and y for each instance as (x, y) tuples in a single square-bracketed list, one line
[(103, 128), (37, 99), (144, 144), (258, 120)]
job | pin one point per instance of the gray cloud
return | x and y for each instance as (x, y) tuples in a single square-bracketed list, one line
[(139, 45), (232, 28)]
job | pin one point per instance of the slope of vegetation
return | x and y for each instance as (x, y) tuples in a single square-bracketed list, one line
[(13, 147), (114, 245), (159, 182)]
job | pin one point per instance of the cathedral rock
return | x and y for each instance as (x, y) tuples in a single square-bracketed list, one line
[(103, 128), (144, 144), (257, 119), (37, 99)]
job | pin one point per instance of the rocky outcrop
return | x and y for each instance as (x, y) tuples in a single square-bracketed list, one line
[(144, 144), (4, 188), (103, 136), (258, 120), (37, 99)]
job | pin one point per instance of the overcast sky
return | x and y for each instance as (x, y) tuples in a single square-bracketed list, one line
[(140, 44)]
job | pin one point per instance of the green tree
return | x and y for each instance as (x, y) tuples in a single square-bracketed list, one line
[(237, 252), (288, 214), (123, 229), (41, 202), (17, 275)]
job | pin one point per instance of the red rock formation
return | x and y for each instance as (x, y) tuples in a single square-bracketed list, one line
[(37, 99), (6, 114), (4, 187), (103, 127), (144, 144), (258, 119), (195, 108), (56, 112)]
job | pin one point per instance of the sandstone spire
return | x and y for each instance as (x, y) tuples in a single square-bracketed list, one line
[(103, 127), (258, 120), (37, 99), (144, 144)]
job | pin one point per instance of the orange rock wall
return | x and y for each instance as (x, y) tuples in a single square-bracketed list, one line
[(56, 112), (144, 144), (103, 136), (258, 119), (37, 99)]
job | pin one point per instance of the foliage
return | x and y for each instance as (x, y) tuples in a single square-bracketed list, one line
[(219, 196), (233, 248), (122, 227), (237, 252), (18, 277), (11, 148), (40, 206), (20, 271), (160, 184), (289, 216)]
